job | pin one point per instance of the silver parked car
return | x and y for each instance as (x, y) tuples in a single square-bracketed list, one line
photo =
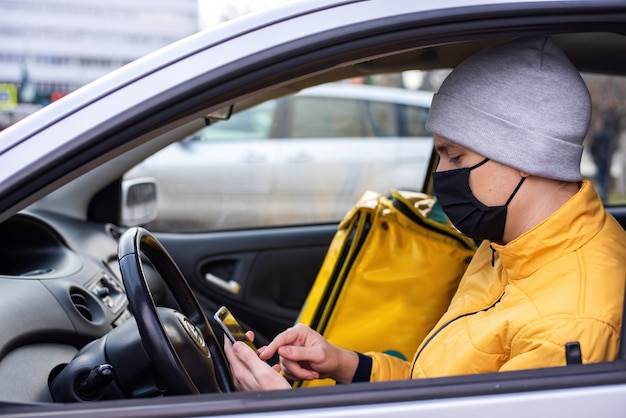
[(301, 158)]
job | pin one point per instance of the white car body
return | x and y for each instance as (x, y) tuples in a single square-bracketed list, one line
[(302, 158)]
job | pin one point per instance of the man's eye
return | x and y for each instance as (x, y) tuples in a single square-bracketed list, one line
[(453, 160)]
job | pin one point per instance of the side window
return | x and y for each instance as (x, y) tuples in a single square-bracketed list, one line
[(385, 118), (319, 117), (397, 119), (298, 159), (326, 117), (416, 121)]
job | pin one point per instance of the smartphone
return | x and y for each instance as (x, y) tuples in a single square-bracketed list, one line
[(233, 330)]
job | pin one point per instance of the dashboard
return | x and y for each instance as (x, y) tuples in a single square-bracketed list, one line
[(60, 288)]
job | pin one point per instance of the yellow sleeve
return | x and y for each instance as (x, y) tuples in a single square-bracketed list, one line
[(386, 367), (542, 344)]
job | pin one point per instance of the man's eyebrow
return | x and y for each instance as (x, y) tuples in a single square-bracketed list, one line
[(445, 146), (441, 147)]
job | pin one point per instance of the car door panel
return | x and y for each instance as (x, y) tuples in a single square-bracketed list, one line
[(272, 270)]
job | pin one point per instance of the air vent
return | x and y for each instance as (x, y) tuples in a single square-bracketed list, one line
[(81, 303), (87, 305)]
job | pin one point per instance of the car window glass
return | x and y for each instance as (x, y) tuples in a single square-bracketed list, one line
[(415, 121), (242, 172), (343, 139), (397, 119), (319, 117)]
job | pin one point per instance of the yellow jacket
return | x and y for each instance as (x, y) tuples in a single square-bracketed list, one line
[(519, 304)]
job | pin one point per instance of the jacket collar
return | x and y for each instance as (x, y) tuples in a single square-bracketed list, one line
[(566, 230)]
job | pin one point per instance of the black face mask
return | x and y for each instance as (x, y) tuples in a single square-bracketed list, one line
[(467, 213)]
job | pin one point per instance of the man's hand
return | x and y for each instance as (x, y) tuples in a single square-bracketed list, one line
[(250, 373), (305, 355)]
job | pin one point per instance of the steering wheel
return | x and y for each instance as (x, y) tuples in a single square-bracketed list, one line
[(181, 345)]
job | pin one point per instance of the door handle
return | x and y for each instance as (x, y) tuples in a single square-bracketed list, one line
[(253, 158), (230, 286), (300, 157)]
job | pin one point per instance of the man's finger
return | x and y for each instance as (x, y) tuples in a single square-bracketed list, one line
[(297, 353), (287, 337), (294, 371), (244, 352)]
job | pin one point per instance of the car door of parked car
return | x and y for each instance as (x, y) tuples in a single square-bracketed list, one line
[(339, 145), (302, 158), (329, 154), (215, 178)]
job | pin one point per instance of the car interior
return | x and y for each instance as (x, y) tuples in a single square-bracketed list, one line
[(82, 286)]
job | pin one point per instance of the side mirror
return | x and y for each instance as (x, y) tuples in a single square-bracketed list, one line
[(139, 201)]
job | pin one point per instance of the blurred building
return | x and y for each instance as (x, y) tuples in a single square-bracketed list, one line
[(49, 48), (214, 12)]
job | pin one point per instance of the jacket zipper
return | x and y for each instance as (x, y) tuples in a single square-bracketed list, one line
[(441, 328)]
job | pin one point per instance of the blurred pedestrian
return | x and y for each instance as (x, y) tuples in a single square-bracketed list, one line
[(603, 145)]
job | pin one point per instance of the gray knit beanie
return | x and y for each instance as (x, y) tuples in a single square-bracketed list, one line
[(521, 103)]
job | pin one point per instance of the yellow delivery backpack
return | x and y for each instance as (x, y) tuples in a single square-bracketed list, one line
[(388, 276)]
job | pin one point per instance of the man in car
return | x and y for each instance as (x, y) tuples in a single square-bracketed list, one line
[(508, 126)]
